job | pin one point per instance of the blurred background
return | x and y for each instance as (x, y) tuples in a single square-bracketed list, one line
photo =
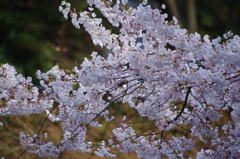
[(34, 35)]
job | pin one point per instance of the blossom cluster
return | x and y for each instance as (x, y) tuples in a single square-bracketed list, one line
[(172, 78)]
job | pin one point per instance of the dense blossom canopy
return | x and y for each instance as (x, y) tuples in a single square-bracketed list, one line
[(173, 78)]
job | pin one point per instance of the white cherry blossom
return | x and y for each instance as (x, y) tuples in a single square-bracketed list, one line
[(172, 78)]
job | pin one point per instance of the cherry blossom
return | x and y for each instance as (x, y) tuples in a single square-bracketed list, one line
[(174, 79)]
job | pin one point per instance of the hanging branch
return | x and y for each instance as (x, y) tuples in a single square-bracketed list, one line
[(184, 104)]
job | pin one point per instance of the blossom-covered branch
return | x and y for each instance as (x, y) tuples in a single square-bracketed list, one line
[(172, 78)]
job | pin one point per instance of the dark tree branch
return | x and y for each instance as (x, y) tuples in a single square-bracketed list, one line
[(184, 104)]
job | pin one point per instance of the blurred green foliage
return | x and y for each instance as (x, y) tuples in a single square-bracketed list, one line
[(34, 35), (217, 17), (212, 17)]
